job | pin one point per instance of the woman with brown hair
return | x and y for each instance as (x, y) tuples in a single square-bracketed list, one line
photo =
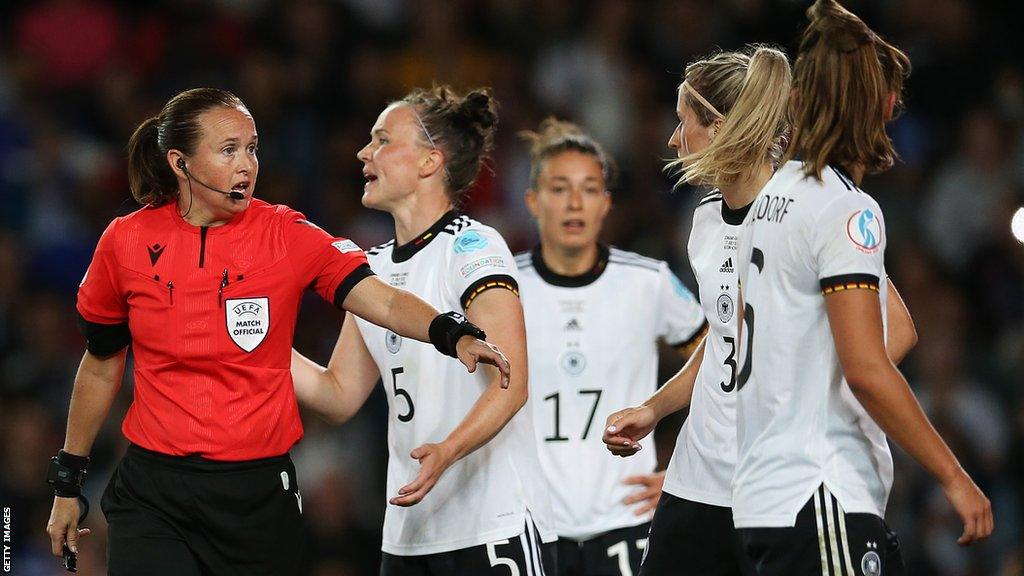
[(594, 315), (204, 283), (465, 486), (819, 393)]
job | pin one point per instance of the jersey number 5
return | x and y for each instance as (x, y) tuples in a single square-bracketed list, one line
[(403, 393)]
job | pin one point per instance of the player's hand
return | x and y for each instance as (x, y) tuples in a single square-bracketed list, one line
[(625, 428), (434, 460), (972, 506), (472, 351), (649, 494), (63, 525)]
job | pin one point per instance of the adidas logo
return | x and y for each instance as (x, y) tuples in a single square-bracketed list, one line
[(573, 324), (727, 266)]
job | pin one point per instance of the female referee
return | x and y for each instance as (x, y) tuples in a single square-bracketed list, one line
[(731, 109), (204, 284), (594, 315), (819, 393), (467, 494)]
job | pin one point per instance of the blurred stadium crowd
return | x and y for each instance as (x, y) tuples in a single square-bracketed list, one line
[(76, 77)]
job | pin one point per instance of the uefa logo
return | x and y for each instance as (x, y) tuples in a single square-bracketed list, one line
[(865, 230)]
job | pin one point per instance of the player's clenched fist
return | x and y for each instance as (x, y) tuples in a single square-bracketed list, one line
[(625, 428), (972, 506)]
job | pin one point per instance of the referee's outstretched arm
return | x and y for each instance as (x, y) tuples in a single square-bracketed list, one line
[(96, 385), (338, 391), (406, 314)]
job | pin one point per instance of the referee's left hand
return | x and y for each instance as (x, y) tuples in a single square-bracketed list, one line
[(434, 460), (472, 351)]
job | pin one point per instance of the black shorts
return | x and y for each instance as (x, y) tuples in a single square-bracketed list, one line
[(692, 538), (187, 516), (524, 555), (614, 553), (826, 541)]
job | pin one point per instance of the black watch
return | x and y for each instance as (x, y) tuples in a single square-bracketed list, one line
[(446, 330)]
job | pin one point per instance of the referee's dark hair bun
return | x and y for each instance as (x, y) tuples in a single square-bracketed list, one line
[(462, 127)]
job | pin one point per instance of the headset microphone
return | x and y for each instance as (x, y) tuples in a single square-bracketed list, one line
[(230, 194)]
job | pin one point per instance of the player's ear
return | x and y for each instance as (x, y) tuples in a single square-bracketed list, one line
[(432, 162), (715, 126), (531, 201), (890, 107)]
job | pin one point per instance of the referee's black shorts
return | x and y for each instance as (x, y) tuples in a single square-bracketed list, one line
[(188, 516)]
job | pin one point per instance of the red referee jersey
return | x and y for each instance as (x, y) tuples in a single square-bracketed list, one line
[(212, 313)]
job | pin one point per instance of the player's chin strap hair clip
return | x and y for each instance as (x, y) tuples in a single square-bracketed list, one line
[(446, 329), (66, 474), (693, 92)]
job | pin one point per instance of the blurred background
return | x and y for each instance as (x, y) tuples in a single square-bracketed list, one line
[(77, 76)]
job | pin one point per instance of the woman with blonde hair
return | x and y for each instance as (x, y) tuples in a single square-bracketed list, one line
[(732, 108), (820, 394)]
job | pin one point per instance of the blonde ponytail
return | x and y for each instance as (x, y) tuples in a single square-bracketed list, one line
[(755, 116)]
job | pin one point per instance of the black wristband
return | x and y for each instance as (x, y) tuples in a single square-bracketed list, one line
[(446, 329), (66, 474)]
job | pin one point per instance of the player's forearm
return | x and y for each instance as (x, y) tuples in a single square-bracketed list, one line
[(885, 395), (491, 412), (318, 390), (96, 386), (677, 392)]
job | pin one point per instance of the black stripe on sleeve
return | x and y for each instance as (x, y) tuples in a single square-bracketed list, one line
[(849, 282), (486, 283), (354, 277), (692, 339), (103, 339)]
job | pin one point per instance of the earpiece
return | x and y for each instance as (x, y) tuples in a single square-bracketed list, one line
[(181, 164)]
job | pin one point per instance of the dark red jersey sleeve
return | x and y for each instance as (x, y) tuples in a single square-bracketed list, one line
[(331, 265), (100, 299)]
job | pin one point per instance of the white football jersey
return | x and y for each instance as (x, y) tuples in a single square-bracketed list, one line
[(484, 496), (799, 424), (593, 350), (704, 459)]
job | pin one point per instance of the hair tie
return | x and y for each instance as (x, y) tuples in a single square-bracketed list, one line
[(693, 92)]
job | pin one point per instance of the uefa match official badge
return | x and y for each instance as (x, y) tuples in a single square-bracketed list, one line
[(865, 230), (248, 321)]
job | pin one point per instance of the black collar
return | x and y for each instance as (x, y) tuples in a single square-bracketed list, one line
[(734, 217), (410, 248), (556, 279)]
